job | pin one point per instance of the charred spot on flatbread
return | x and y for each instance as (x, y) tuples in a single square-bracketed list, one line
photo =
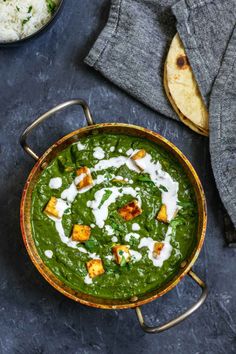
[(182, 62)]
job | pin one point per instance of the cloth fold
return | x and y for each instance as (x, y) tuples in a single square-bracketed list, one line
[(223, 124), (132, 48)]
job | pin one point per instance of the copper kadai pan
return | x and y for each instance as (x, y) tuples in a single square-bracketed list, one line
[(50, 154)]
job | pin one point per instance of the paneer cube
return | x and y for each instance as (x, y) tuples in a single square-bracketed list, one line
[(51, 209), (95, 267), (81, 233), (138, 159), (162, 214), (138, 155), (157, 249), (130, 210), (84, 178), (121, 254)]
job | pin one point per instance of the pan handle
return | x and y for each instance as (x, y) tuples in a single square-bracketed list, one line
[(180, 318), (47, 115)]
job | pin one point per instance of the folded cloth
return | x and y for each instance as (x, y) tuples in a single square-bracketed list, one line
[(223, 137), (207, 30), (132, 47)]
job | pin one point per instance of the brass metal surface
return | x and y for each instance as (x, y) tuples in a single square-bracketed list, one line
[(179, 318)]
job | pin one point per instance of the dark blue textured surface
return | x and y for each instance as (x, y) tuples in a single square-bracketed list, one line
[(34, 318)]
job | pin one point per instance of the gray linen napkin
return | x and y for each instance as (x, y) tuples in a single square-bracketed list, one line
[(131, 49), (223, 141)]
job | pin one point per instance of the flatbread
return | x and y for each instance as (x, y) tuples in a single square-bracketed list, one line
[(182, 89), (184, 119)]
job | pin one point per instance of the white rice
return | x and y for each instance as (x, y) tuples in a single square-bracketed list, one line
[(21, 18)]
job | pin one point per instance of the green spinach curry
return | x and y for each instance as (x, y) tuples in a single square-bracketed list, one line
[(114, 216)]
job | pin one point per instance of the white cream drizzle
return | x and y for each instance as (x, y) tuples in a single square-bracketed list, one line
[(109, 230), (98, 153), (161, 178), (131, 234), (100, 212), (135, 227), (157, 175), (48, 253), (129, 152), (88, 280), (79, 178), (115, 162), (80, 146), (67, 240), (61, 207), (109, 257), (71, 192), (81, 249), (136, 256), (93, 255), (119, 178), (165, 252), (55, 183)]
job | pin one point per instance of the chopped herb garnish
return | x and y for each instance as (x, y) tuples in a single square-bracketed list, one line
[(51, 5), (106, 195), (123, 261), (30, 9), (163, 188), (17, 7), (185, 204), (109, 271), (91, 245), (144, 179), (23, 22), (115, 226)]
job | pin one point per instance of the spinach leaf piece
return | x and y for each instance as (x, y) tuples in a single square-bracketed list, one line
[(185, 204), (176, 222), (163, 188), (91, 245), (143, 178)]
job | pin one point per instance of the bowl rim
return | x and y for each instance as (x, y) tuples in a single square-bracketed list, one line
[(38, 32), (91, 300)]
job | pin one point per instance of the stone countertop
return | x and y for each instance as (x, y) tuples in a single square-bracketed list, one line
[(34, 318)]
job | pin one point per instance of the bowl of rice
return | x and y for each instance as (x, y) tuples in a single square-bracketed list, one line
[(20, 20)]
